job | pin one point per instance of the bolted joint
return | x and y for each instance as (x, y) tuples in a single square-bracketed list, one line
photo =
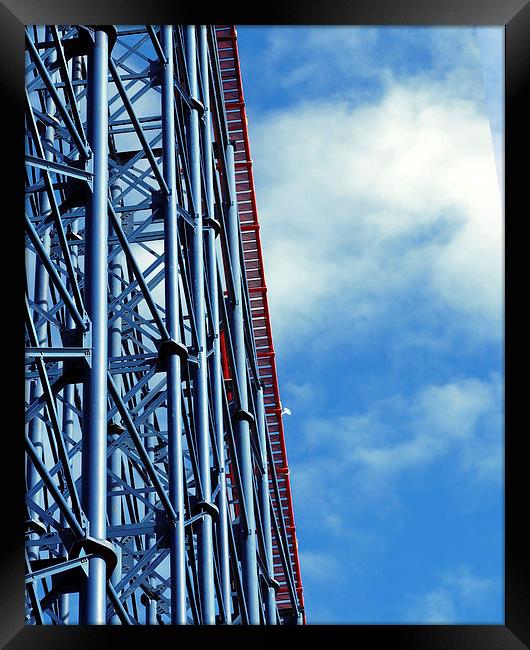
[(85, 40), (90, 34), (170, 347), (196, 105), (71, 235), (206, 508), (35, 525), (158, 198), (97, 547), (155, 73), (164, 524), (115, 428), (149, 595), (241, 414), (211, 222)]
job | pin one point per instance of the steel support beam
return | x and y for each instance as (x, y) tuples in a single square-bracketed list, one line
[(151, 606), (115, 502), (215, 365), (148, 339), (94, 478), (174, 408), (270, 602), (242, 427), (41, 293), (204, 536), (69, 390)]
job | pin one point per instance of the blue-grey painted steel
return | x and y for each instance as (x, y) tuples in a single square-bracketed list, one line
[(115, 336), (170, 450), (43, 253), (48, 82), (41, 293), (174, 413), (215, 365), (94, 478), (270, 602), (54, 491), (242, 428), (69, 391), (150, 542), (205, 528)]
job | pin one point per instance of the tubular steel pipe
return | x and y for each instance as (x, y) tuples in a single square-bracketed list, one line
[(174, 413), (244, 451), (205, 525), (93, 596), (150, 542), (185, 539), (114, 502), (270, 603), (41, 293), (54, 491), (48, 82), (138, 127), (43, 260), (217, 379), (55, 214), (69, 390), (131, 260)]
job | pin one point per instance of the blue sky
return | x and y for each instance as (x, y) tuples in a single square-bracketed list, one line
[(378, 167)]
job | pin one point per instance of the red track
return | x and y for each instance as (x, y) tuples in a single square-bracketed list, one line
[(248, 215)]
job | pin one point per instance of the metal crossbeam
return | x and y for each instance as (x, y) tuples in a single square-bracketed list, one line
[(153, 491)]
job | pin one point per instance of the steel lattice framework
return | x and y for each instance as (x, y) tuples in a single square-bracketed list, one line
[(157, 479)]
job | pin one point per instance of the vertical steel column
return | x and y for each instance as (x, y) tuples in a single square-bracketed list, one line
[(204, 527), (217, 387), (114, 502), (68, 429), (92, 609), (29, 264), (244, 452), (41, 293), (175, 462), (151, 607), (270, 603), (69, 391)]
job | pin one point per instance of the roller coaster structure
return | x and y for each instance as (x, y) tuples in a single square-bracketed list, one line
[(158, 486)]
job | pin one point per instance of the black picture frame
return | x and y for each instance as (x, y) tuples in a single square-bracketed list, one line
[(515, 16)]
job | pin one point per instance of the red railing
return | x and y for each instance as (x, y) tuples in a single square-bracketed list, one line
[(250, 233)]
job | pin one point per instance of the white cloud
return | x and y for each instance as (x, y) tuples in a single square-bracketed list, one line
[(491, 46), (318, 500), (469, 587), (355, 61), (302, 394), (458, 590), (364, 455), (305, 55), (435, 607), (319, 567), (380, 210), (361, 206)]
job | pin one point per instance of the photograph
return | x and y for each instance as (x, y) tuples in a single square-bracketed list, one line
[(266, 297)]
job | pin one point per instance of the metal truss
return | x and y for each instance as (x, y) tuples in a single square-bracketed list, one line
[(156, 469)]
